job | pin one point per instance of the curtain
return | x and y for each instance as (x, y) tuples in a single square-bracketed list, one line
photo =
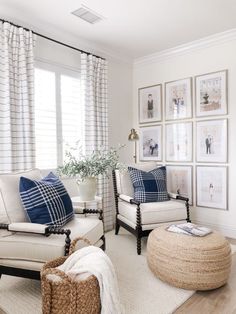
[(17, 145), (94, 97)]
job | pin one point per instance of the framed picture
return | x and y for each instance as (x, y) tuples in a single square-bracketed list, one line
[(179, 141), (150, 104), (150, 143), (178, 99), (211, 94), (212, 187), (212, 141), (179, 181)]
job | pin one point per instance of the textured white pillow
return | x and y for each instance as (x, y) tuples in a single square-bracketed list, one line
[(9, 187)]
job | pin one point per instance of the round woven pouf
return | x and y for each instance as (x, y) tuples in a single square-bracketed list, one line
[(188, 262)]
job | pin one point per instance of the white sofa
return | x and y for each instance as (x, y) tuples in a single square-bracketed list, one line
[(25, 247), (138, 218)]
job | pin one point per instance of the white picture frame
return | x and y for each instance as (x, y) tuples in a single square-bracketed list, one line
[(212, 187), (211, 141), (150, 143), (179, 142), (211, 94), (178, 99), (180, 180), (150, 104)]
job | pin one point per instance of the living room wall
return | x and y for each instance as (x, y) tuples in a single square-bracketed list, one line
[(200, 57)]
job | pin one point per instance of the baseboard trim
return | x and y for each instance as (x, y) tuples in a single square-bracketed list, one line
[(227, 231)]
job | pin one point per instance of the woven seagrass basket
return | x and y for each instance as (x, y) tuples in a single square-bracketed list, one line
[(67, 296)]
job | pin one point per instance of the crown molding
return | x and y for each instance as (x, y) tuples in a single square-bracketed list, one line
[(206, 42)]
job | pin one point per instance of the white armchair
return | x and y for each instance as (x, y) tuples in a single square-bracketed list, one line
[(141, 218), (24, 246)]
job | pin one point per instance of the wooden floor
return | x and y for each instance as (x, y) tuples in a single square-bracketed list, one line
[(219, 301)]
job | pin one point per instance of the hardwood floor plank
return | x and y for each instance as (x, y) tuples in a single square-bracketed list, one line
[(218, 301)]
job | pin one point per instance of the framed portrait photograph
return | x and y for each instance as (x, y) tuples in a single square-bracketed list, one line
[(179, 141), (178, 99), (150, 143), (211, 94), (150, 104), (212, 187), (179, 181), (212, 141)]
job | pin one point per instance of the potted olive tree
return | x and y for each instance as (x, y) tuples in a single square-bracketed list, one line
[(87, 168)]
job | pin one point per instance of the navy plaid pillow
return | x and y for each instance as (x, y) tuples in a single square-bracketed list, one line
[(149, 186), (46, 201)]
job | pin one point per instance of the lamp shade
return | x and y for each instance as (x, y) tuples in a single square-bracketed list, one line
[(133, 136)]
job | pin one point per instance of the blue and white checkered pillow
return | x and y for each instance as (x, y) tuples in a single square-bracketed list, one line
[(149, 186), (46, 201)]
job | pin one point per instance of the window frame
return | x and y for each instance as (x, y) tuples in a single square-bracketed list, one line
[(59, 70)]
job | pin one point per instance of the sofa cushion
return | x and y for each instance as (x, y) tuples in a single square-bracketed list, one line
[(149, 186), (123, 181), (46, 201), (11, 208), (35, 247), (152, 213)]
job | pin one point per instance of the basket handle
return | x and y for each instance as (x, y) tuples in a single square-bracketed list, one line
[(54, 271), (74, 242)]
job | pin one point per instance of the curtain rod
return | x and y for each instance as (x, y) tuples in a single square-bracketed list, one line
[(53, 40)]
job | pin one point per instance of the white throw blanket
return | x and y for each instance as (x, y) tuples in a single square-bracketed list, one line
[(92, 260)]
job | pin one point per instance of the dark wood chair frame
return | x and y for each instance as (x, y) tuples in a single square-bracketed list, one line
[(33, 274), (138, 232)]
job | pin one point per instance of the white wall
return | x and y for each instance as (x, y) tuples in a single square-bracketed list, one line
[(212, 57)]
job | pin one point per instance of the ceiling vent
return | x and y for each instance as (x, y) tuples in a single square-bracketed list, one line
[(88, 15)]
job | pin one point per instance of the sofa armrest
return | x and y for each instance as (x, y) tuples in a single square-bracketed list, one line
[(178, 197), (39, 229), (28, 227), (125, 198), (128, 199)]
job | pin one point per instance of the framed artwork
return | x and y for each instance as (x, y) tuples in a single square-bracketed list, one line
[(179, 181), (179, 141), (178, 99), (212, 141), (211, 94), (150, 143), (150, 104), (212, 187)]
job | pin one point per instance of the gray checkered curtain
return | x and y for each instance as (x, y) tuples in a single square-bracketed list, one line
[(17, 148), (94, 96)]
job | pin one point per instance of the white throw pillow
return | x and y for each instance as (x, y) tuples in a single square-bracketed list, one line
[(12, 210)]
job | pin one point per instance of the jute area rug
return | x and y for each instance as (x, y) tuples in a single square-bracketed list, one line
[(140, 291)]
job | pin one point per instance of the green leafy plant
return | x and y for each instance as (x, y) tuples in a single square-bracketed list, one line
[(99, 162)]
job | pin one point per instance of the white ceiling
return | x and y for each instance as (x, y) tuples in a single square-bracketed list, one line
[(132, 28)]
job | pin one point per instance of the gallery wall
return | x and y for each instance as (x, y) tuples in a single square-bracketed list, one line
[(197, 58)]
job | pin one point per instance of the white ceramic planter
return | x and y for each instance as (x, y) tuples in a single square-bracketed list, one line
[(87, 188)]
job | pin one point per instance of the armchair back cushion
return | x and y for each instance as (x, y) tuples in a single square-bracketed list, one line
[(11, 209), (46, 201), (123, 181), (149, 186)]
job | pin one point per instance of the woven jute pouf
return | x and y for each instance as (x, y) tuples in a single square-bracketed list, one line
[(188, 262)]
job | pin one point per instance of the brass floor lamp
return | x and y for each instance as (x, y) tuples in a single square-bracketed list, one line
[(133, 136)]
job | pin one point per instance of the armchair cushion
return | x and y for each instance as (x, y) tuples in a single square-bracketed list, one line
[(46, 201), (153, 213), (149, 186), (39, 248)]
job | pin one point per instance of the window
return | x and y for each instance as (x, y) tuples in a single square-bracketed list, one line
[(58, 113)]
